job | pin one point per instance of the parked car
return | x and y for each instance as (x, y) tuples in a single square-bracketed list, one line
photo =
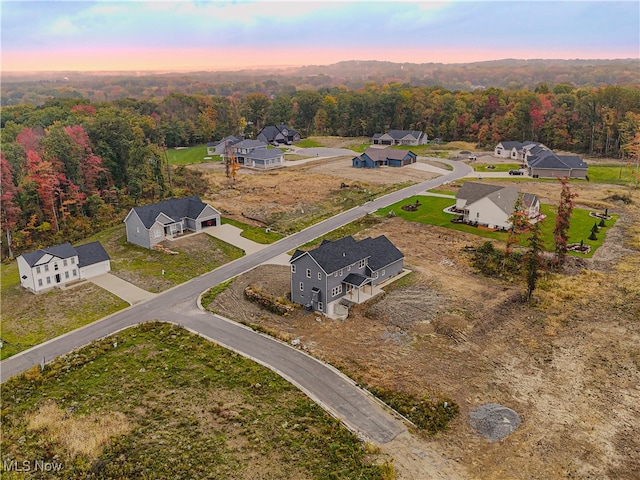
[(516, 172)]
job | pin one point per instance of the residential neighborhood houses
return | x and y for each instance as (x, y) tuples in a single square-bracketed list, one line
[(149, 225), (400, 137), (278, 135), (60, 265), (540, 161), (339, 273), (491, 206), (379, 157)]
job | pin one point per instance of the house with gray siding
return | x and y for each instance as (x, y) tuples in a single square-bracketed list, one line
[(59, 265), (400, 137), (339, 273), (278, 135), (219, 147), (151, 224), (384, 157), (546, 164)]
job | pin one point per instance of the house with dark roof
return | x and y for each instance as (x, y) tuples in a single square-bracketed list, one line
[(546, 164), (219, 147), (278, 135), (492, 205), (400, 137), (340, 273), (151, 224), (379, 157), (257, 154), (60, 265)]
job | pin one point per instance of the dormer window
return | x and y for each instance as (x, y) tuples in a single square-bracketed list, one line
[(362, 263)]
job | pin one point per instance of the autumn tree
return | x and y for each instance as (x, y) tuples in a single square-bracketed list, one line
[(563, 220), (532, 259), (9, 211)]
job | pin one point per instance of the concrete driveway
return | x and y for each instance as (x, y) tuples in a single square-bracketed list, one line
[(230, 234), (121, 288)]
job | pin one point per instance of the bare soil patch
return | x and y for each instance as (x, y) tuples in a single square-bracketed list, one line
[(569, 364)]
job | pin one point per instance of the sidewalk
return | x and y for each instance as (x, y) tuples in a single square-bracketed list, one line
[(231, 234)]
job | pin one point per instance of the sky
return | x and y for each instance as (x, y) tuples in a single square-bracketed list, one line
[(183, 35)]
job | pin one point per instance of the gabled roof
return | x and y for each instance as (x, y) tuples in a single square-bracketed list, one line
[(332, 256), (510, 145), (232, 139), (380, 154), (355, 279), (474, 191), (399, 134), (381, 252), (529, 199), (505, 198), (174, 208), (573, 161), (272, 131), (250, 144), (266, 153), (91, 253), (64, 250)]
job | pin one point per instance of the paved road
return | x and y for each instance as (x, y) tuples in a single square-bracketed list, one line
[(334, 392)]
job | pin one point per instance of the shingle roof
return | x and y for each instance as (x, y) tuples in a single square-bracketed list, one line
[(398, 134), (510, 145), (272, 131), (64, 250), (529, 199), (91, 253), (573, 161), (474, 191), (381, 252), (266, 153), (380, 154), (232, 139), (250, 144), (355, 279), (505, 198), (174, 208), (333, 256)]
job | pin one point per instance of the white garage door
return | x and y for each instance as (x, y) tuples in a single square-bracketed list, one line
[(95, 269)]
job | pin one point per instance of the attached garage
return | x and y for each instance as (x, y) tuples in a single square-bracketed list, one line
[(93, 260), (212, 222)]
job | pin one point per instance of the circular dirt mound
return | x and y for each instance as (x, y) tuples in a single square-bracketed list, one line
[(493, 421)]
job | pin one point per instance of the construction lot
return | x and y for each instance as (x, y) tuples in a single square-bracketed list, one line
[(568, 364)]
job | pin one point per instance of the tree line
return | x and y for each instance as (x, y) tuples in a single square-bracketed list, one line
[(71, 164)]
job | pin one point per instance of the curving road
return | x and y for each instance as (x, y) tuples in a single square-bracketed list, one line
[(336, 393)]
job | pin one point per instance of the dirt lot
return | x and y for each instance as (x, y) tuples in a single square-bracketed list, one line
[(304, 193), (569, 364)]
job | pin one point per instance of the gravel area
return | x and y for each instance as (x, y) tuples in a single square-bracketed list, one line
[(493, 421)]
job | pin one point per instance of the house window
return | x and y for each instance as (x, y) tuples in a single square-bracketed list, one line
[(64, 262), (341, 272), (48, 280), (293, 269), (319, 276), (73, 261), (137, 229), (37, 269), (336, 290), (383, 273), (308, 273), (361, 263), (55, 266), (46, 268), (302, 286), (75, 274), (66, 274), (375, 274), (320, 306), (349, 268), (157, 233), (39, 282)]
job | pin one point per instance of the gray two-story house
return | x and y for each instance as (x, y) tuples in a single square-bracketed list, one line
[(342, 272)]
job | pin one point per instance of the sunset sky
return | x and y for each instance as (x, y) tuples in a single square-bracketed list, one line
[(210, 35)]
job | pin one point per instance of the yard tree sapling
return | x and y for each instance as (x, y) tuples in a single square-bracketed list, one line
[(533, 261), (563, 220)]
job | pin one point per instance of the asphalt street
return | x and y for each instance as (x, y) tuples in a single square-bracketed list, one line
[(359, 411)]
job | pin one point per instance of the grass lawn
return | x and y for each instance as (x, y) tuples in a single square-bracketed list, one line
[(29, 319), (497, 167), (197, 254), (256, 234), (431, 212), (165, 403), (614, 174), (308, 143), (190, 155)]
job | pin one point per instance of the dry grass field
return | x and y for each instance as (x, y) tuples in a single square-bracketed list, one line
[(569, 363)]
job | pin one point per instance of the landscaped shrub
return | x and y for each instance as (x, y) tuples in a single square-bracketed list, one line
[(276, 305), (496, 263)]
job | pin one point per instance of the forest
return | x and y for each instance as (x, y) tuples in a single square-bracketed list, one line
[(73, 165)]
